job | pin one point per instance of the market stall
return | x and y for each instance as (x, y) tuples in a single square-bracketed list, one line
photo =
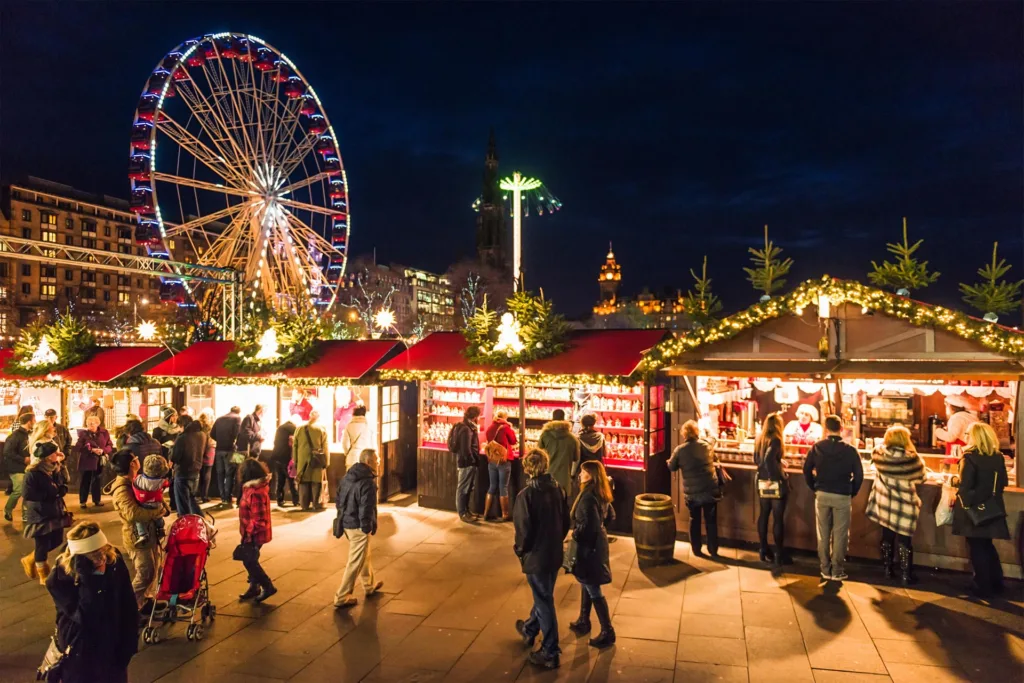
[(339, 385), (593, 375), (873, 358)]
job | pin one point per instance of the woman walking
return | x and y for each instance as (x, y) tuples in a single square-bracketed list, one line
[(43, 431), (96, 613), (93, 448), (695, 460), (982, 480), (499, 463), (42, 508), (893, 502), (591, 566), (255, 528), (772, 488)]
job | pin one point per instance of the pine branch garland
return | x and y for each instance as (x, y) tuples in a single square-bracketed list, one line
[(993, 295), (906, 272)]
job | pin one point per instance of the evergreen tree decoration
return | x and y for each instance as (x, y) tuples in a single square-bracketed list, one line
[(769, 271), (540, 330), (907, 273), (700, 304), (993, 295), (69, 342), (296, 335)]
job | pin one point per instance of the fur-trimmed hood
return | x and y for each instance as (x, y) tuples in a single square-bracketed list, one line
[(897, 463), (556, 426)]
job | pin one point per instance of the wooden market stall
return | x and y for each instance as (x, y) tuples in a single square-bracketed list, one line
[(874, 358), (595, 374), (339, 381)]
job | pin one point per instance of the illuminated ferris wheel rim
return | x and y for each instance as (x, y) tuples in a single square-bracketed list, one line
[(254, 180)]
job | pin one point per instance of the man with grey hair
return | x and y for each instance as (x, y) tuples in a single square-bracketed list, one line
[(357, 520)]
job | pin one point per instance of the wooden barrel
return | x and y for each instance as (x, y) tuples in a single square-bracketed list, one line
[(654, 528)]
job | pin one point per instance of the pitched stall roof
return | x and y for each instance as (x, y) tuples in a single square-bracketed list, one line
[(607, 353), (106, 365), (338, 360)]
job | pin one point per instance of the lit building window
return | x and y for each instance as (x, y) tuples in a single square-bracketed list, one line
[(49, 236), (48, 292)]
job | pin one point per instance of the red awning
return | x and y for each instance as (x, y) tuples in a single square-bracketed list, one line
[(105, 365), (615, 353), (338, 360)]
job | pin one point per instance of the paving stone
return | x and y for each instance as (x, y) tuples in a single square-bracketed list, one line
[(690, 672), (633, 652), (711, 650), (431, 648), (771, 610), (914, 652), (917, 673), (647, 628), (483, 666), (844, 654), (716, 625), (825, 676)]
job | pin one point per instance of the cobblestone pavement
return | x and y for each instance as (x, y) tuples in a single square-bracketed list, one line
[(452, 593)]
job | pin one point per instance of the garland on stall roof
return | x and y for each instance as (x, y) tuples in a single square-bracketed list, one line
[(528, 330), (275, 341), (275, 380), (507, 378), (43, 349), (994, 337)]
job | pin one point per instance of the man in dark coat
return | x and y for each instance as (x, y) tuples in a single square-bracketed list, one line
[(187, 458), (280, 456), (16, 458), (464, 443), (541, 518), (250, 434), (357, 508), (63, 436), (225, 433)]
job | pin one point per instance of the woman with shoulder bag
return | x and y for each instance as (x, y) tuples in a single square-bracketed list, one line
[(500, 440), (590, 565), (695, 460), (772, 488), (309, 449), (42, 509), (982, 480)]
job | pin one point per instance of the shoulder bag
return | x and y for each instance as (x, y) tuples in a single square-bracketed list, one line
[(316, 455), (766, 488), (53, 661), (496, 453), (989, 510)]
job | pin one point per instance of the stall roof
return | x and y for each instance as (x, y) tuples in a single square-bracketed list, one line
[(609, 353), (894, 369), (339, 360), (106, 365)]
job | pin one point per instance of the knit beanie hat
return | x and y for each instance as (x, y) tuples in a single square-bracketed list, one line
[(155, 466), (44, 449), (168, 413)]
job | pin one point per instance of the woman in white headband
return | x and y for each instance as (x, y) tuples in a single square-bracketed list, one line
[(97, 617)]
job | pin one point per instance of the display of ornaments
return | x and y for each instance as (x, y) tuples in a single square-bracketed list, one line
[(456, 396)]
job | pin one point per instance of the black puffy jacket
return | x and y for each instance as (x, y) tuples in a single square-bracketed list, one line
[(696, 461), (541, 517), (16, 450), (592, 565), (357, 499)]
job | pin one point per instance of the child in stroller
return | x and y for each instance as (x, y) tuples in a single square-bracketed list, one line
[(148, 488)]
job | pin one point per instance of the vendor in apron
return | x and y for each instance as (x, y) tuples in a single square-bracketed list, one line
[(804, 431), (959, 419)]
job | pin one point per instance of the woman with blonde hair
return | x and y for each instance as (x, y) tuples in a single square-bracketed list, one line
[(591, 565), (97, 618), (43, 431), (893, 502), (772, 488), (982, 480)]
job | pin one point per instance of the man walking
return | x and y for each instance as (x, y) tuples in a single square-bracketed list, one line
[(541, 518), (224, 433), (562, 447), (464, 444), (16, 457), (357, 509), (834, 472), (250, 434)]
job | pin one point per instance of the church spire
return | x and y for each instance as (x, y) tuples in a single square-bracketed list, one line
[(491, 237)]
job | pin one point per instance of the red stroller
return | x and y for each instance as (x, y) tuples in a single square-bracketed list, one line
[(184, 592)]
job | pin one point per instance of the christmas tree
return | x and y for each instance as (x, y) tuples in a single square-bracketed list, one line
[(993, 295), (907, 273), (769, 271), (700, 304)]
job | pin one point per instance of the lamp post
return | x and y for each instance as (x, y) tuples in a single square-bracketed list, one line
[(518, 184)]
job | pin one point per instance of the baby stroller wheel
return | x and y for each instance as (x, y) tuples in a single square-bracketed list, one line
[(209, 612), (194, 632)]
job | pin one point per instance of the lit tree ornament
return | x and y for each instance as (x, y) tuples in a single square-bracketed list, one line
[(508, 336), (268, 346), (43, 355)]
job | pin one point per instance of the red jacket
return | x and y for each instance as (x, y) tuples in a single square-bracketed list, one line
[(254, 512), (502, 432)]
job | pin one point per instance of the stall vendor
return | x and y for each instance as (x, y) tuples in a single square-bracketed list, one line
[(804, 430), (959, 419)]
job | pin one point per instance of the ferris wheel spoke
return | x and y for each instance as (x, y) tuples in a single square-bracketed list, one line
[(213, 161), (312, 238), (211, 122), (196, 223), (214, 104), (231, 86), (296, 155), (303, 183), (257, 109), (225, 252), (303, 206), (203, 185), (284, 133)]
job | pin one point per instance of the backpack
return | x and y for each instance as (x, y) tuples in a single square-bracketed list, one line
[(453, 438)]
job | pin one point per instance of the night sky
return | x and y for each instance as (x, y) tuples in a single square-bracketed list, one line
[(673, 129)]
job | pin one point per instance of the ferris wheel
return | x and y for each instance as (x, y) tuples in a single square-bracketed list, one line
[(248, 175)]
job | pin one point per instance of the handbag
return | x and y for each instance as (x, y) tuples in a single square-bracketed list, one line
[(237, 458), (290, 470), (245, 552), (989, 510), (766, 488), (496, 453), (569, 557), (316, 456), (53, 661)]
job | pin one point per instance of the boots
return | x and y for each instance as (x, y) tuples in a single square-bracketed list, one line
[(488, 504), (778, 557), (907, 576), (43, 570), (28, 564), (582, 625), (252, 592), (885, 550), (766, 555), (505, 516), (606, 637)]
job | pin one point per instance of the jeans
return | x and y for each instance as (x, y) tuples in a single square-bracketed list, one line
[(309, 493), (90, 482), (542, 617), (204, 482), (358, 565), (832, 511), (710, 511), (185, 494), (776, 507), (225, 474), (988, 572), (17, 481), (47, 542), (281, 475), (257, 575), (467, 479), (498, 476)]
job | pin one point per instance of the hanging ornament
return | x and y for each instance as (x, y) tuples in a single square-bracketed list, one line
[(43, 355), (268, 346), (508, 335)]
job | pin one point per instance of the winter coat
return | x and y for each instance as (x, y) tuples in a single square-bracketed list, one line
[(62, 438), (696, 461), (592, 564), (769, 467), (282, 451), (502, 432), (42, 502), (142, 444), (97, 615), (977, 474), (541, 517), (131, 513), (307, 439), (250, 436), (563, 449), (893, 501), (16, 450), (467, 444), (87, 460), (591, 445), (166, 431), (254, 512), (833, 466), (356, 437), (357, 499), (189, 449), (225, 431)]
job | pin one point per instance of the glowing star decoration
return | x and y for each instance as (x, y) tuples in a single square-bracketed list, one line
[(518, 185), (508, 336), (268, 346), (43, 355), (384, 319), (146, 331)]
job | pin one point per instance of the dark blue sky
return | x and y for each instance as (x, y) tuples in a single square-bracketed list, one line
[(673, 129)]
